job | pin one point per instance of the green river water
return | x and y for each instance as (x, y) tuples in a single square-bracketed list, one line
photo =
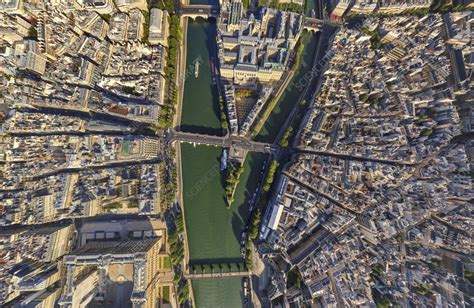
[(213, 230), (200, 112)]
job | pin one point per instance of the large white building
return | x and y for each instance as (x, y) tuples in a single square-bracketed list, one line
[(13, 29), (158, 33), (11, 6), (113, 272), (255, 47), (28, 58), (100, 6)]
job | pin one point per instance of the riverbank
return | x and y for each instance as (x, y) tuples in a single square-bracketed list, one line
[(181, 70), (285, 104)]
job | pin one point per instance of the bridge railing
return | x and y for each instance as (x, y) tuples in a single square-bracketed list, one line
[(217, 268)]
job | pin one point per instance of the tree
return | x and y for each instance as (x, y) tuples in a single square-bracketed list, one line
[(270, 175), (179, 223), (223, 115), (234, 172), (253, 231), (183, 293), (286, 137), (174, 38), (248, 255)]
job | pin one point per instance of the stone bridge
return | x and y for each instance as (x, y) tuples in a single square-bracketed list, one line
[(199, 10), (314, 24), (224, 141), (217, 275)]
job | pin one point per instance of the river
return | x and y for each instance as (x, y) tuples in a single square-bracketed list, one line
[(217, 293), (213, 230), (200, 112)]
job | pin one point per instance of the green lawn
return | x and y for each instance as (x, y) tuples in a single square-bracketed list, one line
[(166, 294), (166, 262)]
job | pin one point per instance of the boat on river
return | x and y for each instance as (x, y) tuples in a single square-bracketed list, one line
[(213, 71), (224, 160), (196, 69)]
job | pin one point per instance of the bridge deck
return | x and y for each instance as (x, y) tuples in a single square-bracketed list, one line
[(199, 10), (216, 275), (224, 141), (316, 21)]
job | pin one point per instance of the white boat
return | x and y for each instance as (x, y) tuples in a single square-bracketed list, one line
[(213, 71), (196, 69), (224, 160)]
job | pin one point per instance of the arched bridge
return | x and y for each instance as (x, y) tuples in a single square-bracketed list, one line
[(222, 269), (199, 10), (216, 275)]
